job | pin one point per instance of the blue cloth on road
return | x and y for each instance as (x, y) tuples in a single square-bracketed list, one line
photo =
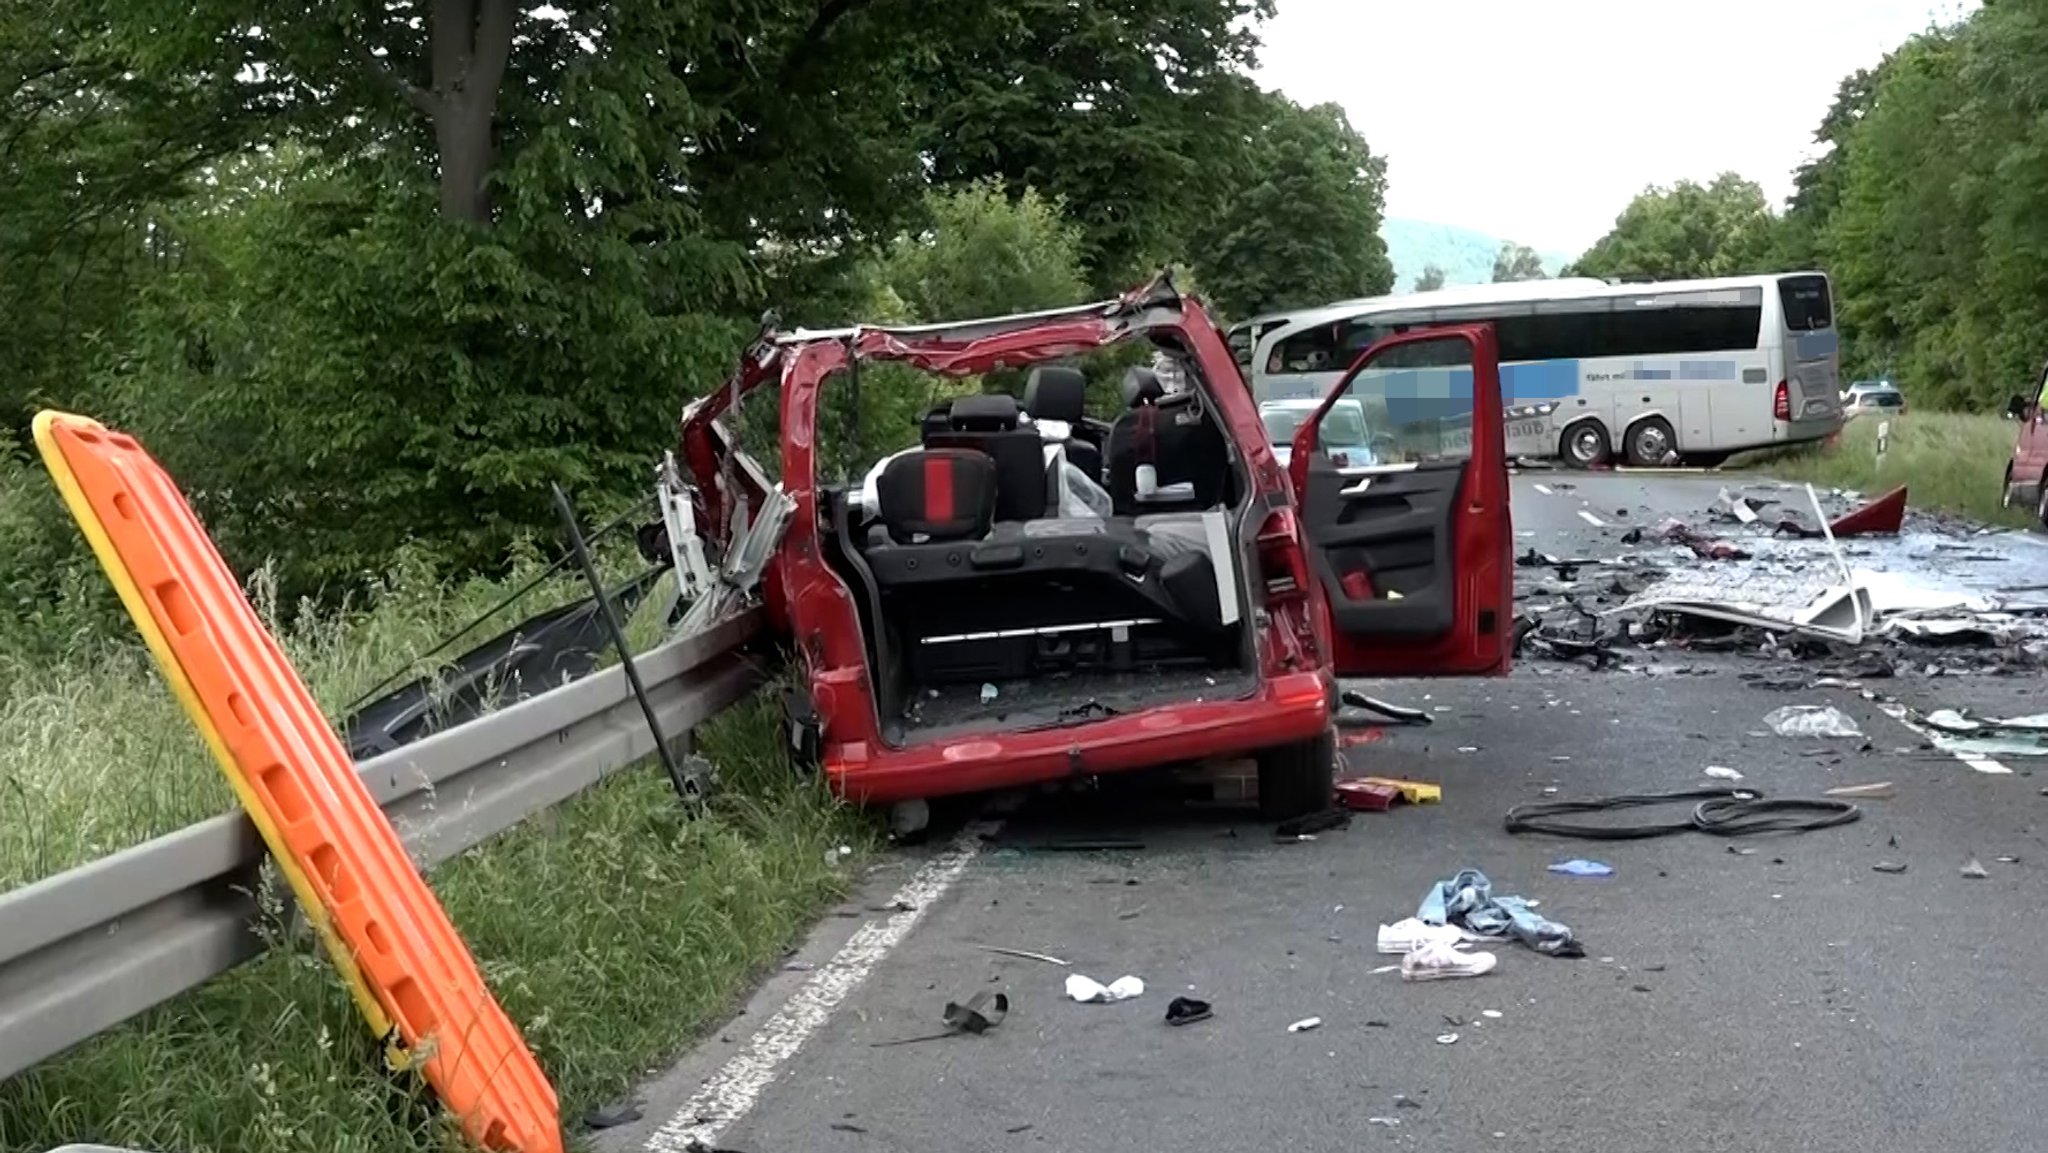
[(1467, 900)]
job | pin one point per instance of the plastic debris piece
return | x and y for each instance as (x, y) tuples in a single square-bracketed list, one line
[(1811, 721), (1387, 1122), (1723, 773), (1894, 867), (1580, 867), (1026, 954), (1490, 1014), (1305, 1024), (1447, 1039), (1087, 990), (1414, 792), (1361, 796), (1187, 1011), (1878, 791), (988, 694), (1975, 870)]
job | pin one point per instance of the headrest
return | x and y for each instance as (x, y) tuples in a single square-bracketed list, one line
[(937, 494), (1053, 392), (1141, 386), (990, 412)]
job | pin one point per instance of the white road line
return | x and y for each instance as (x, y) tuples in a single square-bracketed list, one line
[(1902, 715), (734, 1089), (1590, 519), (1544, 489)]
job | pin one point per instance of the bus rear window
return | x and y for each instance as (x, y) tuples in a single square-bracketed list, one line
[(1806, 303)]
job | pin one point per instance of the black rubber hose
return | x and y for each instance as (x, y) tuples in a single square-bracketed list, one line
[(1538, 817), (1722, 812)]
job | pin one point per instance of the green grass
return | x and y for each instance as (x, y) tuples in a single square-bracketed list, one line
[(1953, 463), (614, 929)]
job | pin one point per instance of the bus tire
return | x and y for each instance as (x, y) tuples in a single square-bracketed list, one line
[(1584, 445), (1649, 441)]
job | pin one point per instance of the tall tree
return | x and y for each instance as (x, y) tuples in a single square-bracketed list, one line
[(1306, 230), (1724, 228), (1517, 262)]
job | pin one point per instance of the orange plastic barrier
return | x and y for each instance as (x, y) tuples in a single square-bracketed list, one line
[(410, 972)]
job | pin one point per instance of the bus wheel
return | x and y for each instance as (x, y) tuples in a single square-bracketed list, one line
[(1585, 445), (1649, 441)]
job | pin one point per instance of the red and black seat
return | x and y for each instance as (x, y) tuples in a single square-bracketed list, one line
[(938, 494)]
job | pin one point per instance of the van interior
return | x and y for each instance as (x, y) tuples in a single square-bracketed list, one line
[(1028, 564)]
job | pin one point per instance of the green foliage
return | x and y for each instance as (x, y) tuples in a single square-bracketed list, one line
[(986, 254), (1688, 230), (1302, 225), (1432, 278)]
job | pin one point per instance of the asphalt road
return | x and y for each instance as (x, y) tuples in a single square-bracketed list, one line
[(1786, 998)]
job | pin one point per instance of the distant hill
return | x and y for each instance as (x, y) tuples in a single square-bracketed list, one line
[(1465, 254)]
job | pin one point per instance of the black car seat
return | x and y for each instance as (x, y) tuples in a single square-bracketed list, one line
[(1055, 392), (990, 424), (1176, 436)]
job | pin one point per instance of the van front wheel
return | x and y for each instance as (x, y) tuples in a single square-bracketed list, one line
[(1297, 780)]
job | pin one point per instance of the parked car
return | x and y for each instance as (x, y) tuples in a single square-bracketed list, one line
[(1868, 396), (968, 631), (1345, 433), (2026, 474)]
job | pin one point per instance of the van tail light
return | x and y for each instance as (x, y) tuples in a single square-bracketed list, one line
[(1282, 566), (1781, 405)]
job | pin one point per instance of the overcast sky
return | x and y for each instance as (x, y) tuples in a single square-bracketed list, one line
[(1538, 121)]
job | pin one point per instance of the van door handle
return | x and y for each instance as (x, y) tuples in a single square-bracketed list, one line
[(1357, 489)]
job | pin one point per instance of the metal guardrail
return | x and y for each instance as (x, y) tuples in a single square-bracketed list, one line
[(90, 948)]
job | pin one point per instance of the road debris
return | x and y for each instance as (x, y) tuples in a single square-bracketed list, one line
[(1305, 1024), (1087, 990), (1187, 1011), (1955, 731), (1467, 900), (1412, 933), (1877, 791), (1811, 721), (1722, 811), (1385, 1122), (1890, 867), (1398, 714), (1447, 1039), (1975, 870), (1026, 954), (1722, 773), (1438, 961), (1580, 867), (982, 1012)]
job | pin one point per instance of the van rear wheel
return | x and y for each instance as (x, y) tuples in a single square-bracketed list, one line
[(1297, 780)]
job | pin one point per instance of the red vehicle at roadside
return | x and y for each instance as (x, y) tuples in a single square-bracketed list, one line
[(1030, 594)]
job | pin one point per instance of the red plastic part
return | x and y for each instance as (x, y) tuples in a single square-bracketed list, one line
[(1367, 797), (1884, 516)]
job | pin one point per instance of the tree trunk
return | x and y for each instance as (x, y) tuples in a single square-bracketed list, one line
[(472, 43), (463, 140)]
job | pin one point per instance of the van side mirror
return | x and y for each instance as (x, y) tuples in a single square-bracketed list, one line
[(2017, 408)]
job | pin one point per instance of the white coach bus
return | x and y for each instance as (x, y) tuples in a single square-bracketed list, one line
[(1592, 372)]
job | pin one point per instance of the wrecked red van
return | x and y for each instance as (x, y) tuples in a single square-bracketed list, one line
[(1029, 593)]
